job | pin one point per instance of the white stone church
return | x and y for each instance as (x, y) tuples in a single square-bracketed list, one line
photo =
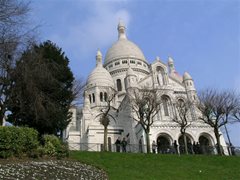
[(126, 67)]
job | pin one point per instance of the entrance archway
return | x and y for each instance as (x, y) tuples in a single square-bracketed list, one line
[(163, 144), (205, 145), (182, 145)]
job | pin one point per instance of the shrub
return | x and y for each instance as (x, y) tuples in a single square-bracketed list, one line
[(54, 147), (17, 141), (63, 151)]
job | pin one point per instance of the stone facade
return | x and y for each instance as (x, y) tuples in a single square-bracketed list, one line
[(125, 67)]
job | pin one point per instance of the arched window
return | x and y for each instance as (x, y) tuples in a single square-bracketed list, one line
[(165, 102), (93, 98), (105, 96), (180, 102), (124, 62), (101, 96), (117, 63), (90, 99), (119, 85)]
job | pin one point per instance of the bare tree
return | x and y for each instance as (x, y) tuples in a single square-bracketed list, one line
[(183, 111), (236, 112), (78, 88), (12, 11), (105, 116), (216, 108), (14, 35), (145, 104)]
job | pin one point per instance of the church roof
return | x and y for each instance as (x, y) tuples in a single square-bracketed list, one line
[(123, 48)]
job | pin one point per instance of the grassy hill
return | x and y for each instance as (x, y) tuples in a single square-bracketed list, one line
[(127, 166)]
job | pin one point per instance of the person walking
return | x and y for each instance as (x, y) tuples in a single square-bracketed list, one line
[(118, 144), (154, 147), (140, 145), (128, 143), (175, 146), (124, 145), (158, 146)]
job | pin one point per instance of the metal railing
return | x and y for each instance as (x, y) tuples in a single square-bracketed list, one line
[(138, 148)]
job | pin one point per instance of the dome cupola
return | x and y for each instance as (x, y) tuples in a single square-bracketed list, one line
[(123, 48), (186, 76), (99, 76)]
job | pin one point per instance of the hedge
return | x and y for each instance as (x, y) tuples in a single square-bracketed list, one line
[(17, 141)]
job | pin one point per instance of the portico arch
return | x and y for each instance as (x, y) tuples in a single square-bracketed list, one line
[(164, 142), (182, 145), (206, 139), (206, 144)]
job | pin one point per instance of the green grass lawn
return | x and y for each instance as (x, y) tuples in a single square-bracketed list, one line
[(127, 166)]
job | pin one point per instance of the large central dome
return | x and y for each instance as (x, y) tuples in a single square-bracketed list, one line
[(123, 48)]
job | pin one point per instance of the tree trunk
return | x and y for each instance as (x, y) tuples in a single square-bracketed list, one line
[(185, 143), (219, 149), (105, 138), (1, 118), (229, 141), (148, 142)]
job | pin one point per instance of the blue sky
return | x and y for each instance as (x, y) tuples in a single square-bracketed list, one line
[(202, 36)]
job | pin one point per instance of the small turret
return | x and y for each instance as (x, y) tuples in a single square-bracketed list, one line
[(171, 65), (189, 85), (99, 58), (130, 79), (188, 81), (121, 30)]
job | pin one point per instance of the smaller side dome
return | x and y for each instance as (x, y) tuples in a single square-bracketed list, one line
[(186, 76), (100, 77)]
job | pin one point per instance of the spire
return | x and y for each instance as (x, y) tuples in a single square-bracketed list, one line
[(121, 30), (171, 64), (99, 58)]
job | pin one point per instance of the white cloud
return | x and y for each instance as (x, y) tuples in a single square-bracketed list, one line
[(98, 30)]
